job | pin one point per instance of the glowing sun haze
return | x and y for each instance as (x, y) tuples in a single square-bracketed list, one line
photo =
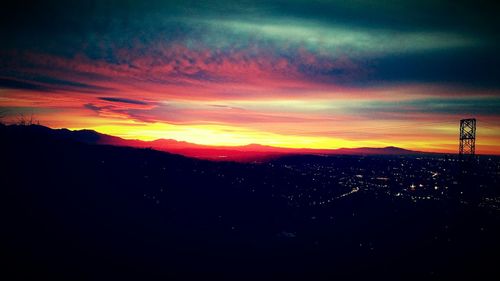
[(317, 74)]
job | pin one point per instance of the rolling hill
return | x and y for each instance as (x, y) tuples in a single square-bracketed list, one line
[(247, 153)]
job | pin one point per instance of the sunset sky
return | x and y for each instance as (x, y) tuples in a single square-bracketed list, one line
[(316, 74)]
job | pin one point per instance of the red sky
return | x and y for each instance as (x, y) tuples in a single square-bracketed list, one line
[(275, 79)]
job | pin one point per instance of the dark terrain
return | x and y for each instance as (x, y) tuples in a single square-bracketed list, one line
[(245, 154), (79, 211)]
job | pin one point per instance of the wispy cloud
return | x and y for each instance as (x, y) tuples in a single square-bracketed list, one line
[(293, 73), (332, 39), (123, 100)]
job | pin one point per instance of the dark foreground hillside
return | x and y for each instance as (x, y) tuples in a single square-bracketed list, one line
[(89, 212)]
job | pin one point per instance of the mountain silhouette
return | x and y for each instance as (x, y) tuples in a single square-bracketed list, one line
[(250, 152)]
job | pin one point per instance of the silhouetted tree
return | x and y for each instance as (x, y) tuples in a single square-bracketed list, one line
[(27, 121)]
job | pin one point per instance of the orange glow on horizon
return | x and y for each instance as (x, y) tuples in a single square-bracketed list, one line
[(279, 122), (223, 135), (268, 102)]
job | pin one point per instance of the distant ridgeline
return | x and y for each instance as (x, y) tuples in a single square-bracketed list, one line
[(248, 153)]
